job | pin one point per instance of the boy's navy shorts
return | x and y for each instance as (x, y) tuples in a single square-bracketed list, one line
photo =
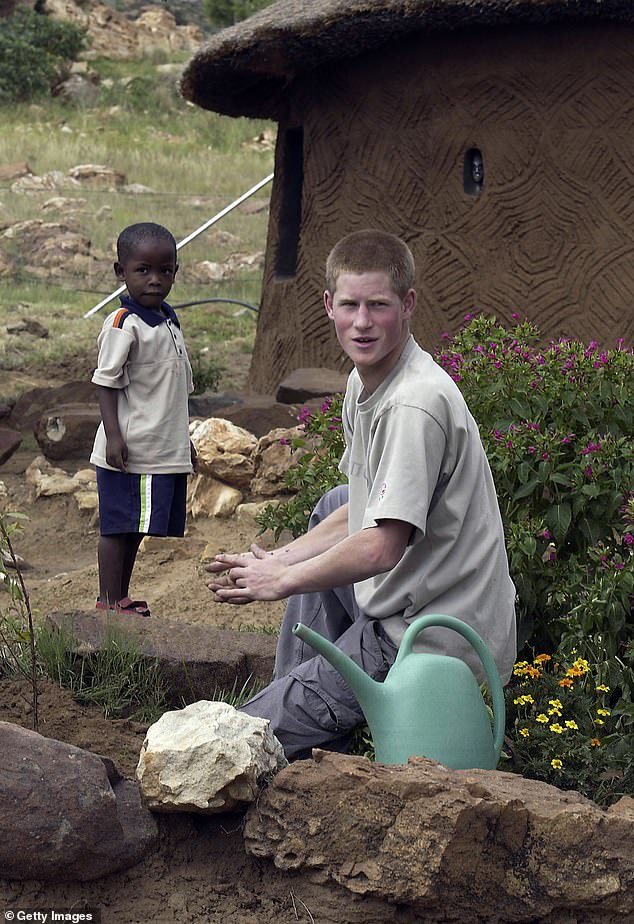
[(153, 505)]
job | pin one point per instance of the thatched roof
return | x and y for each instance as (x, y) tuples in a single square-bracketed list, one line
[(245, 70)]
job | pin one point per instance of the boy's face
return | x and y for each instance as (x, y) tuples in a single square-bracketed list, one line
[(371, 321), (149, 272)]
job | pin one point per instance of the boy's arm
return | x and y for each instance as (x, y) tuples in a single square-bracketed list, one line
[(263, 576), (116, 448)]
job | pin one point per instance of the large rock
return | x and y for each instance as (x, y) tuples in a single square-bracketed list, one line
[(65, 815), (303, 384), (472, 846), (54, 249), (208, 497), (31, 404), (273, 458), (207, 758), (224, 451), (68, 431), (113, 35), (194, 661), (49, 481), (9, 442)]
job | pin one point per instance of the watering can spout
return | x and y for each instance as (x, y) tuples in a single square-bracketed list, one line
[(361, 685)]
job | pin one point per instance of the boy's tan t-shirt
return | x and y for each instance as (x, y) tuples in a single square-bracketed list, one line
[(148, 364), (414, 454)]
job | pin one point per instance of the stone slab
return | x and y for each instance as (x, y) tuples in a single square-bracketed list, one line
[(195, 661)]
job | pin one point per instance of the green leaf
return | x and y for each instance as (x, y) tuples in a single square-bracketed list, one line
[(558, 520), (526, 489)]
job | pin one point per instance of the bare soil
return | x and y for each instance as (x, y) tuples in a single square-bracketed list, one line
[(201, 872)]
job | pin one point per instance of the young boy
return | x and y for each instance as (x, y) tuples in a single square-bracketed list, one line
[(142, 449), (416, 531)]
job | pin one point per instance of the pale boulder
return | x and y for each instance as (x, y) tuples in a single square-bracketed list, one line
[(208, 497), (273, 458), (225, 451), (207, 758)]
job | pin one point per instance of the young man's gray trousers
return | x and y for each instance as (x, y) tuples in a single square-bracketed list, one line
[(308, 703)]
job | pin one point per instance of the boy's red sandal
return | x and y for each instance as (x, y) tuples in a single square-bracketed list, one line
[(125, 607)]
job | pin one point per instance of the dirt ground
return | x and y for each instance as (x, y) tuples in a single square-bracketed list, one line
[(201, 872)]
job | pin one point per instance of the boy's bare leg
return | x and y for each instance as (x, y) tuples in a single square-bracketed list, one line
[(111, 554), (133, 541)]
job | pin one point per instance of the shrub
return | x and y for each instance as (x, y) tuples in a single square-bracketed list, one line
[(34, 50), (207, 373), (568, 724), (315, 472), (556, 425)]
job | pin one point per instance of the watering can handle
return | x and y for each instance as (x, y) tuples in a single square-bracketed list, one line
[(490, 667)]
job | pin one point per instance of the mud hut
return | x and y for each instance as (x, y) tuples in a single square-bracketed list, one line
[(495, 136)]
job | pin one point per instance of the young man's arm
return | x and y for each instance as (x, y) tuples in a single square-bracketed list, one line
[(116, 448), (263, 576)]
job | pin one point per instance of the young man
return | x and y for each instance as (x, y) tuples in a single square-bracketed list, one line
[(142, 449), (417, 530)]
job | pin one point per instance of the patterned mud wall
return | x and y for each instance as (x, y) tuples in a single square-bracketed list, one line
[(551, 233)]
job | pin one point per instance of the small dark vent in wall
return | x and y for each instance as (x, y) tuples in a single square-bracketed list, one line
[(473, 175), (291, 205)]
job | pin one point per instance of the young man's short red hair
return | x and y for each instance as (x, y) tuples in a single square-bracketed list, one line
[(372, 251)]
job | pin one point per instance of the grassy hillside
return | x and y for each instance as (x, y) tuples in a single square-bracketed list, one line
[(194, 163)]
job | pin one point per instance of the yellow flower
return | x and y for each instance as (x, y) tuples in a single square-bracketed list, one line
[(602, 688), (555, 703), (556, 764), (570, 723), (524, 732), (557, 728), (603, 712), (523, 700), (599, 722), (542, 657), (582, 665), (520, 668), (566, 682), (595, 743), (542, 718)]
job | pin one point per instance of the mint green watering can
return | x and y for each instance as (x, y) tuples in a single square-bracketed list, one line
[(429, 705)]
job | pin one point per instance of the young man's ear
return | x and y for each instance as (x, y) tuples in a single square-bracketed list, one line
[(409, 303), (175, 270), (118, 269), (328, 305)]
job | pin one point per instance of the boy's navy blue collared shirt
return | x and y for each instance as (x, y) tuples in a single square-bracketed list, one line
[(147, 314)]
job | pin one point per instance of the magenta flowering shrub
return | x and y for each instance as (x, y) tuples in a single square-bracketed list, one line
[(556, 423), (316, 469)]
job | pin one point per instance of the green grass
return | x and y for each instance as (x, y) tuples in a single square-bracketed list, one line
[(195, 163)]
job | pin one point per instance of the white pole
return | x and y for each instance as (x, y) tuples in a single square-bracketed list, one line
[(190, 237)]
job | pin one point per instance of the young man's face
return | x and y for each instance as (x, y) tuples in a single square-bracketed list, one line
[(371, 321), (149, 272)]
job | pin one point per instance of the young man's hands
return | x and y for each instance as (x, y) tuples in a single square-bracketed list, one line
[(248, 576)]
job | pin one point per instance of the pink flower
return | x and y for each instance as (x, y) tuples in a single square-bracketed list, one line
[(628, 539), (588, 471), (285, 442), (304, 415)]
